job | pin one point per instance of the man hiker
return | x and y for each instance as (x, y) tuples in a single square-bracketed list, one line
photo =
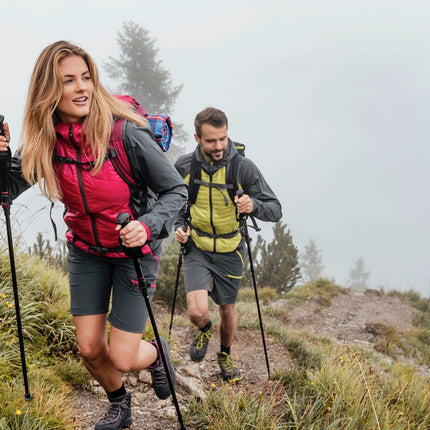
[(209, 225)]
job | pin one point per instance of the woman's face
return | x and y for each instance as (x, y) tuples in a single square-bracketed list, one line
[(78, 87)]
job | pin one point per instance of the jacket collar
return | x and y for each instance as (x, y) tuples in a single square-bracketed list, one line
[(66, 130), (213, 167)]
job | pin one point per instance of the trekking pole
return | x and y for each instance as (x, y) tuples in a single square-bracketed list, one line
[(123, 219), (4, 181), (251, 265), (179, 264)]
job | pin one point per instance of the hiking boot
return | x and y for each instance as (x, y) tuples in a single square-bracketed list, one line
[(160, 383), (229, 371), (118, 415), (200, 345)]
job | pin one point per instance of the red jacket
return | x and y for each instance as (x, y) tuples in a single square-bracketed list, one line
[(92, 202)]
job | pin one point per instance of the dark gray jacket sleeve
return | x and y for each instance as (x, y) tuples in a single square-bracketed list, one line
[(152, 167), (266, 205), (17, 183), (183, 166)]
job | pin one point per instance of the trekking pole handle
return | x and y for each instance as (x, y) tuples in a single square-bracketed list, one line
[(123, 219), (4, 168), (240, 193), (3, 154), (1, 125), (183, 245)]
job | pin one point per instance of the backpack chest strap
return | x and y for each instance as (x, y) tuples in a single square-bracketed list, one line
[(216, 186), (216, 235)]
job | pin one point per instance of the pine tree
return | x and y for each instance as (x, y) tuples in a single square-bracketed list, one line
[(140, 74), (358, 276), (278, 263), (311, 263)]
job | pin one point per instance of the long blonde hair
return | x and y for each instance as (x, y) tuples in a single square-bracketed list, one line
[(38, 136)]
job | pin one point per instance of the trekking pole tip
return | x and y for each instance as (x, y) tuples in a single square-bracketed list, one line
[(28, 397)]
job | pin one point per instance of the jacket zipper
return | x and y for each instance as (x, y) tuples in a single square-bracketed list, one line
[(211, 212), (81, 186)]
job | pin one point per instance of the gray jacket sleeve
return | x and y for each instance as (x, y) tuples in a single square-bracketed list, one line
[(17, 183), (266, 205), (183, 166), (152, 168)]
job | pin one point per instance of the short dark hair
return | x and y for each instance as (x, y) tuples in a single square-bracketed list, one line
[(212, 116)]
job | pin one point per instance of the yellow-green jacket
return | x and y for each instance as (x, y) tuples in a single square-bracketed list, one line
[(212, 216)]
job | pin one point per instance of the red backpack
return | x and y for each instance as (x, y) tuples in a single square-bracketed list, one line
[(161, 127)]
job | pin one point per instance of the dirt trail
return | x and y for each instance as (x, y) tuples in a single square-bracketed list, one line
[(348, 317)]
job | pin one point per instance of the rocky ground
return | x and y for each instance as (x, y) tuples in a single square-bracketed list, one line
[(348, 317)]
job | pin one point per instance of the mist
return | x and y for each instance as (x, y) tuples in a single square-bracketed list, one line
[(331, 99)]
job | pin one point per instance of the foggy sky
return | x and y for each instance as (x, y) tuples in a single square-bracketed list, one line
[(331, 99)]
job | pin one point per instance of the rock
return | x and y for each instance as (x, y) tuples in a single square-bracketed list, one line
[(190, 385), (192, 370), (144, 377)]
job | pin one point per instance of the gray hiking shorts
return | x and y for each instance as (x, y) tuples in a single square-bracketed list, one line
[(94, 279), (225, 270)]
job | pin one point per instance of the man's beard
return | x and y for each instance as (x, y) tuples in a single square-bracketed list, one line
[(216, 155)]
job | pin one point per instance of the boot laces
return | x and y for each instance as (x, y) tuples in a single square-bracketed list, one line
[(202, 338), (226, 363), (159, 376), (114, 411)]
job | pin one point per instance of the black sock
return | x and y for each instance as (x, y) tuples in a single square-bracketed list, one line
[(226, 349), (207, 327), (113, 395)]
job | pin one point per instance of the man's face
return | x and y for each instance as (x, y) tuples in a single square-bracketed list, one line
[(213, 142)]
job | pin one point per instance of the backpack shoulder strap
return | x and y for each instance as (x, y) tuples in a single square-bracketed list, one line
[(118, 155), (231, 175), (194, 180), (232, 168)]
